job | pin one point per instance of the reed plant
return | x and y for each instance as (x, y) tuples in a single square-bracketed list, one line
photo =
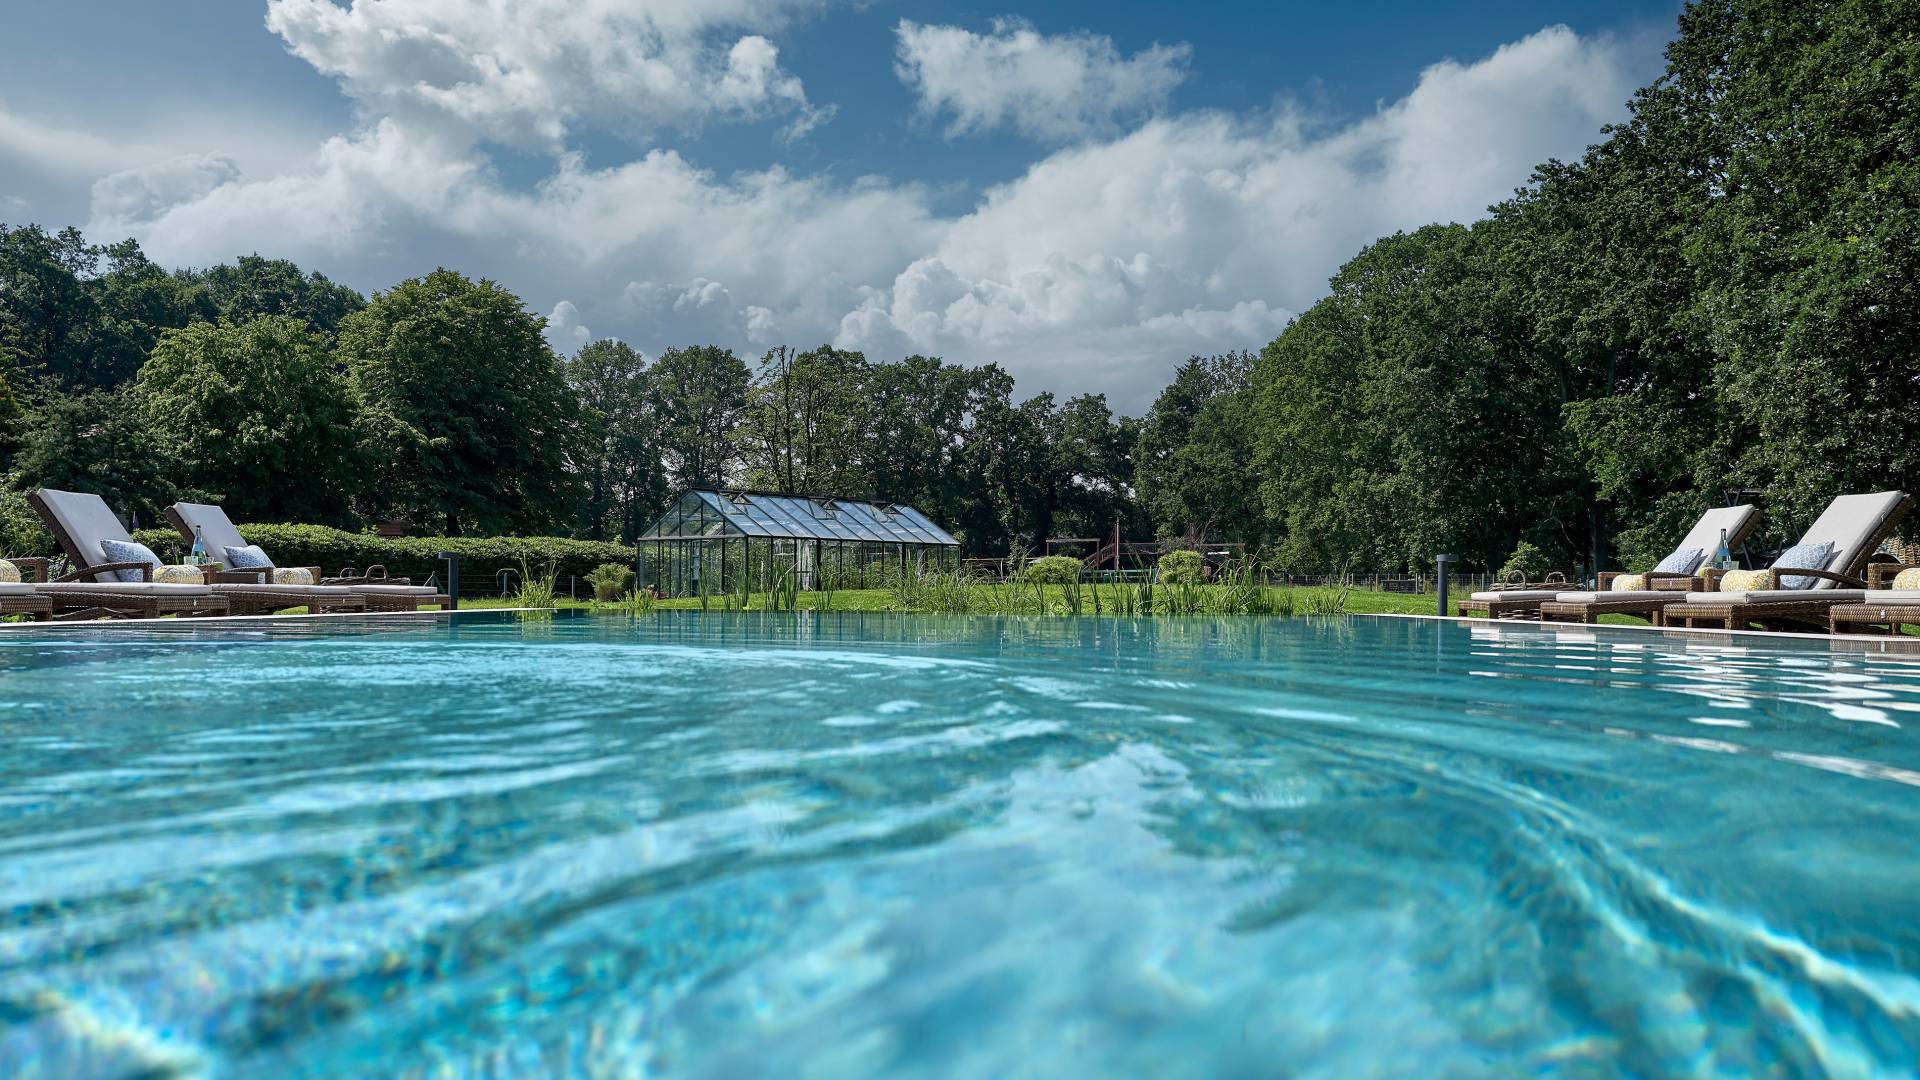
[(538, 592)]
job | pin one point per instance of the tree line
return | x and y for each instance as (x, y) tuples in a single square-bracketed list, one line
[(1721, 295)]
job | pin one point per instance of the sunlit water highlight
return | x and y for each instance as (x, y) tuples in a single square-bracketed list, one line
[(740, 845)]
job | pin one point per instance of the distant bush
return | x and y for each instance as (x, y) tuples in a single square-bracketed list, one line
[(482, 558), (1182, 568), (1529, 561), (1053, 570)]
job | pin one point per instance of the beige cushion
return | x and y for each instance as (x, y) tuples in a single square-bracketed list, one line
[(1854, 525), (285, 590), (292, 575), (87, 521), (1628, 583), (1775, 596), (9, 573), (1518, 594), (1895, 596), (215, 527), (1705, 533), (157, 587), (1610, 596), (15, 588), (180, 575), (396, 590), (1742, 581), (1907, 579)]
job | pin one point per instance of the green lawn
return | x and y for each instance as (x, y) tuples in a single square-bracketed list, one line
[(1358, 602)]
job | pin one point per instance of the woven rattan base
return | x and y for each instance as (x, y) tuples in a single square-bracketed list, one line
[(1872, 618)]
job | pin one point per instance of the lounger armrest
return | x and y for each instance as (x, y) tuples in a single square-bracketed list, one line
[(1879, 575), (88, 574), (32, 567), (1774, 574)]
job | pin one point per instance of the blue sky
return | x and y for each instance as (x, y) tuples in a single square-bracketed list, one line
[(1085, 193)]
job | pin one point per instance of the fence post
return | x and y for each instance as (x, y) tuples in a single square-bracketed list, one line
[(1441, 562), (452, 560)]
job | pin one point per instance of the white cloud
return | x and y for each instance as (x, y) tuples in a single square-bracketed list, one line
[(526, 72), (1050, 87), (565, 332), (1099, 268)]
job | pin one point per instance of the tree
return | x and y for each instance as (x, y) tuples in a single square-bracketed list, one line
[(1195, 446), (702, 393), (257, 414), (98, 441), (799, 429), (624, 480), (464, 407), (252, 286)]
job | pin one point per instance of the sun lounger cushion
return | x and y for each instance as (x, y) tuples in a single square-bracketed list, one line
[(1907, 579), (1814, 555), (1613, 596), (1735, 521), (1769, 596), (15, 588), (1518, 594), (286, 590), (140, 587), (396, 590), (1893, 596), (1854, 524), (1682, 561)]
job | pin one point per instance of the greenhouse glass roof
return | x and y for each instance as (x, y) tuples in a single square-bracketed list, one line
[(708, 514)]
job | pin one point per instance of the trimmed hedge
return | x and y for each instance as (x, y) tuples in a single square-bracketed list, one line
[(482, 558)]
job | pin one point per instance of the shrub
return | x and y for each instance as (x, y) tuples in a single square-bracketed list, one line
[(1182, 568), (416, 557), (1528, 560), (1053, 570), (609, 580)]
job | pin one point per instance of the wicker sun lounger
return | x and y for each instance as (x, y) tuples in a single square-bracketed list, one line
[(77, 595), (1662, 588), (20, 598), (376, 593), (80, 522), (1514, 599), (1856, 525), (1886, 611)]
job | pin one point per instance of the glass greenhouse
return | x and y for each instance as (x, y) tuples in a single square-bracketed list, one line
[(717, 540)]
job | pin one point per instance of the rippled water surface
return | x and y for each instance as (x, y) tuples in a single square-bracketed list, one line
[(748, 845)]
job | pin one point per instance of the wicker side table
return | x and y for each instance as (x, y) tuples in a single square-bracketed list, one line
[(1873, 618)]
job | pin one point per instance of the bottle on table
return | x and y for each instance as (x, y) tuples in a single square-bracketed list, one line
[(1722, 558), (198, 556)]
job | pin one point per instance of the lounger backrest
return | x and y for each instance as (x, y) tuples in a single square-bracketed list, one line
[(1737, 520), (79, 521), (1855, 525), (214, 524)]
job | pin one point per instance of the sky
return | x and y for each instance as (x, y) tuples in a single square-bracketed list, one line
[(1085, 193)]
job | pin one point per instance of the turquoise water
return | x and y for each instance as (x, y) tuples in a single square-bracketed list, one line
[(749, 845)]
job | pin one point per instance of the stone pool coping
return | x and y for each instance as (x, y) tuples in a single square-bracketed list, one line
[(218, 620), (1902, 644)]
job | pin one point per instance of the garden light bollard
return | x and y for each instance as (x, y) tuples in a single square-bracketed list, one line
[(453, 578), (1441, 562)]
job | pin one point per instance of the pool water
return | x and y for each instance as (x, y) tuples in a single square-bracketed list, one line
[(801, 845)]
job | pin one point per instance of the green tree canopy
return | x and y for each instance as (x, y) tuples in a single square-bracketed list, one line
[(701, 395), (256, 414), (463, 406), (252, 286), (624, 479)]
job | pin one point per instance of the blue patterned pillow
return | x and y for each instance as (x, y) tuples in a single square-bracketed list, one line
[(1683, 561), (249, 557), (1803, 557), (128, 551)]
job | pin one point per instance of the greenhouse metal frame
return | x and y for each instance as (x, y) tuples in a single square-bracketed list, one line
[(722, 540)]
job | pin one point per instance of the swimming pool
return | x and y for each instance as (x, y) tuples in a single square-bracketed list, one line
[(734, 845)]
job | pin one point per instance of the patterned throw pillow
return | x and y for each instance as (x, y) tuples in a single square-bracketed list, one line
[(9, 573), (1743, 580), (249, 557), (180, 575), (1803, 557), (291, 575), (1630, 583), (1907, 579), (1683, 561), (128, 551)]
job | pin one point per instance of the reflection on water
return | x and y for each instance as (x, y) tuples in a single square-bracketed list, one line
[(849, 844)]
